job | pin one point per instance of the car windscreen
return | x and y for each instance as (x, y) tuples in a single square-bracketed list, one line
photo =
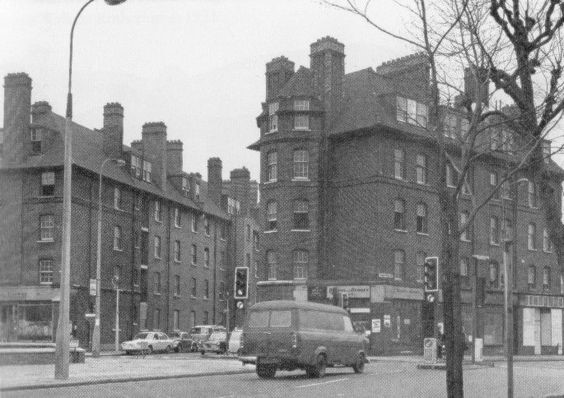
[(273, 318), (196, 331), (141, 336), (218, 336)]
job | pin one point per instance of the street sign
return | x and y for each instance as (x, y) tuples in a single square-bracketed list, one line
[(92, 287)]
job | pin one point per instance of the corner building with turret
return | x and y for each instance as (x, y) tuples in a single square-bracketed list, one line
[(350, 212)]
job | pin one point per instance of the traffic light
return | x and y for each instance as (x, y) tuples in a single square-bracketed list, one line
[(431, 274), (345, 300), (241, 283)]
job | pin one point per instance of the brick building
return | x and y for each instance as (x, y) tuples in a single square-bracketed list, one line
[(167, 237), (348, 201)]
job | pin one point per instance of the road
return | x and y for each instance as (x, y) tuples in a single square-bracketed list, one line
[(381, 379)]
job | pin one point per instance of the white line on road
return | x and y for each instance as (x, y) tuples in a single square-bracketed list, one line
[(319, 384)]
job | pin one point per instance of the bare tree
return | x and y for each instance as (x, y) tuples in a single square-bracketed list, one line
[(456, 37)]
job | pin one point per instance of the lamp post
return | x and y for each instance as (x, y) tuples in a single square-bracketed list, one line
[(63, 334), (96, 331), (476, 257)]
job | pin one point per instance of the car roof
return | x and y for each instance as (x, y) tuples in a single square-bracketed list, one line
[(303, 305), (208, 326)]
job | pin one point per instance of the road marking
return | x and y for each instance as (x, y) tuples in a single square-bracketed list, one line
[(319, 384)]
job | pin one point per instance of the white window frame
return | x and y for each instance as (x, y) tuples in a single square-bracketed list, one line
[(206, 257), (494, 231), (422, 211), (177, 218), (301, 206), (301, 122), (301, 105), (531, 237), (46, 271), (532, 194), (157, 246), (273, 117), (194, 254), (547, 246), (301, 260), (271, 262), (464, 235), (272, 166), (46, 227), (118, 243), (177, 251), (301, 164), (421, 176), (157, 210), (117, 198), (272, 214), (399, 265), (399, 164), (147, 171), (47, 180)]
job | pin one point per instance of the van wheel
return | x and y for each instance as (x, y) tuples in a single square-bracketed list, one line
[(317, 370), (266, 371), (358, 366)]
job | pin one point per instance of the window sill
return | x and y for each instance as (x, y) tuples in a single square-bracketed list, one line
[(466, 240), (270, 231), (422, 233), (208, 235), (298, 179), (193, 264), (158, 221), (300, 230), (194, 232), (494, 244), (176, 296), (177, 226), (403, 231), (451, 186), (45, 283), (157, 258), (271, 132), (118, 250), (301, 129), (547, 251), (270, 181), (532, 250), (45, 196), (156, 294), (177, 261), (193, 297), (46, 241)]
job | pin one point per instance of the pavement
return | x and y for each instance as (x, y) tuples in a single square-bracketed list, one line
[(117, 368)]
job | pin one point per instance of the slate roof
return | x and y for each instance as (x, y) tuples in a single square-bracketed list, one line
[(87, 154), (300, 84)]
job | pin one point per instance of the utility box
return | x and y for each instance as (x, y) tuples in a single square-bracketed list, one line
[(430, 349), (478, 348)]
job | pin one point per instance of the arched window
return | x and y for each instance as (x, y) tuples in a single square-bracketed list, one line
[(532, 276), (494, 274), (301, 259), (420, 260), (421, 218), (399, 214), (421, 169), (271, 215), (399, 164), (301, 164), (465, 235), (494, 230), (532, 194), (271, 264), (301, 214), (463, 266), (272, 166), (532, 237), (546, 277), (399, 264)]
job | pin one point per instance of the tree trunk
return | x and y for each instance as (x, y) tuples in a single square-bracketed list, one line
[(450, 284)]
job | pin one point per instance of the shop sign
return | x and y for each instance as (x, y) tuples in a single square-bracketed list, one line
[(359, 310), (387, 321), (351, 291), (376, 327), (385, 275), (407, 321), (531, 300), (316, 293)]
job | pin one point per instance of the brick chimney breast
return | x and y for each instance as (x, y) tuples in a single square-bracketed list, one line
[(215, 182), (155, 147), (240, 188), (278, 72), (17, 107), (174, 153), (40, 107), (112, 140)]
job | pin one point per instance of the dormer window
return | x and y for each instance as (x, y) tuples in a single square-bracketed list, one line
[(233, 206), (411, 111), (147, 166), (301, 122), (197, 191), (301, 105), (273, 117), (136, 166), (36, 140), (185, 186)]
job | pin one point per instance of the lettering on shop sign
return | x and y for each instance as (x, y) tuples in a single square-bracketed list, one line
[(387, 321), (530, 300), (351, 291), (376, 325)]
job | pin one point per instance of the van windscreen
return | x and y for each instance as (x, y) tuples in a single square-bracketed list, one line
[(280, 319), (258, 319)]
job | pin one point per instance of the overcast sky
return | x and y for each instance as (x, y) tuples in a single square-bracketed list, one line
[(197, 65)]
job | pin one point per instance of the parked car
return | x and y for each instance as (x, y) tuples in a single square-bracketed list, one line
[(290, 335), (234, 345), (181, 341), (148, 342), (201, 333), (217, 342)]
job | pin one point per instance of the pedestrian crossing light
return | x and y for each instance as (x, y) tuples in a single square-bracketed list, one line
[(241, 283), (431, 274)]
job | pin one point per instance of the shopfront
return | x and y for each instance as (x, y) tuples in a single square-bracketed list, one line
[(27, 313), (540, 324)]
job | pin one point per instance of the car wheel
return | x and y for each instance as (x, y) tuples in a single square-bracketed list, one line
[(358, 366), (266, 371), (150, 349), (318, 370), (239, 352), (168, 349), (194, 347), (178, 348), (202, 352)]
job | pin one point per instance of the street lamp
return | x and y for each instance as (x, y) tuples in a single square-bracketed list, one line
[(96, 331), (63, 334), (476, 257)]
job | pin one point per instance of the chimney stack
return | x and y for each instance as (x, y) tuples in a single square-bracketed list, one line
[(278, 72), (240, 188), (214, 180), (112, 131), (476, 83), (154, 146), (17, 107), (174, 157), (327, 60)]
